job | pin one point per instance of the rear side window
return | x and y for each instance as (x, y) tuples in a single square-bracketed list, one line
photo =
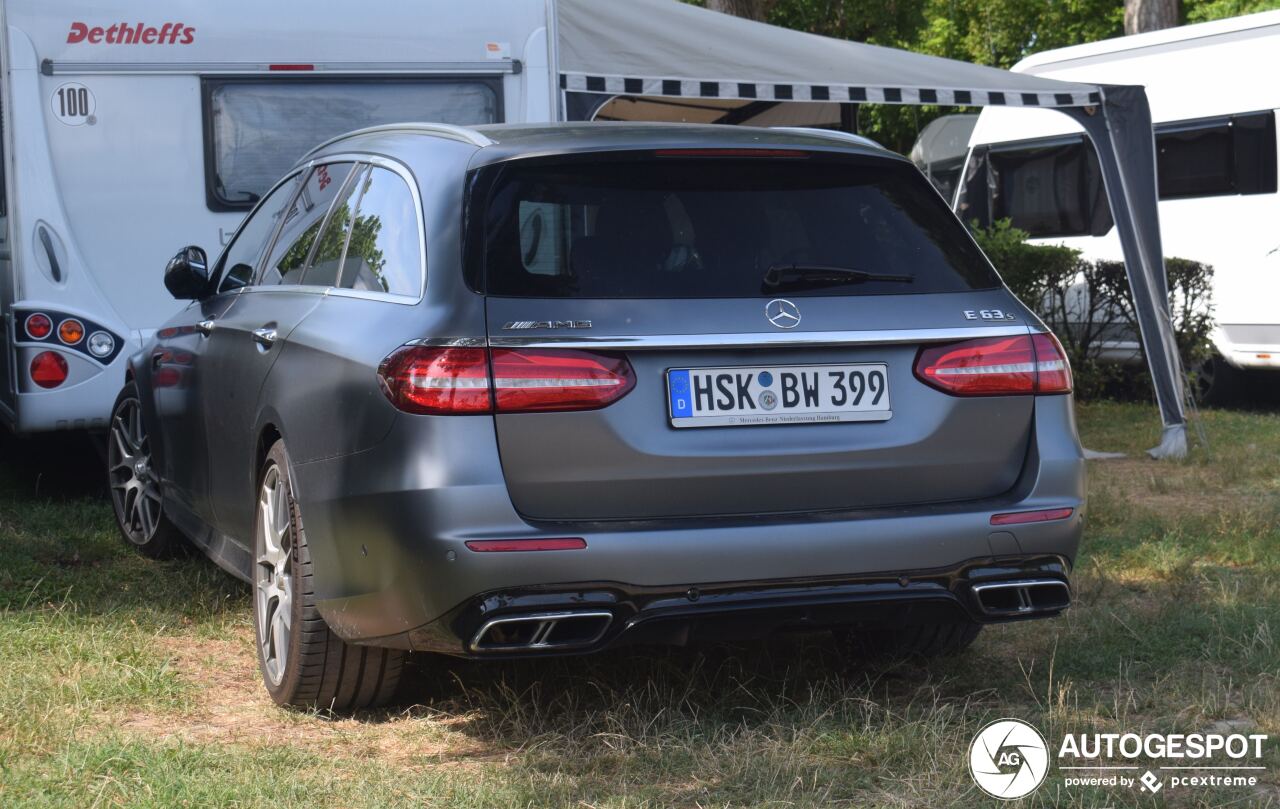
[(713, 227), (384, 247), (255, 129), (302, 222)]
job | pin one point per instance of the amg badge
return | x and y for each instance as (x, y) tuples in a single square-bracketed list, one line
[(520, 325)]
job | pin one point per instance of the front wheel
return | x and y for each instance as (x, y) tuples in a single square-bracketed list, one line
[(136, 495), (304, 664)]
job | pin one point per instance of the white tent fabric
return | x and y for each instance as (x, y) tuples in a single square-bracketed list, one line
[(668, 48)]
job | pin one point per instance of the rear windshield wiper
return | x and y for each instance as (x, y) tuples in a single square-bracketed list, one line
[(785, 275)]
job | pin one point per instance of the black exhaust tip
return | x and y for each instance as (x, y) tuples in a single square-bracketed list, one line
[(542, 632), (1023, 598)]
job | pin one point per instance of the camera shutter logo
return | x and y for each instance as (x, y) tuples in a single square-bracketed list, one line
[(1008, 759)]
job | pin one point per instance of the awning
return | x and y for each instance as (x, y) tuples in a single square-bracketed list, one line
[(671, 49)]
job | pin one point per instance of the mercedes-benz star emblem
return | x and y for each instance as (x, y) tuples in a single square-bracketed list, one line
[(782, 313)]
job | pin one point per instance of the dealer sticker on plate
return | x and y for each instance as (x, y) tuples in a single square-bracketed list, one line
[(797, 394)]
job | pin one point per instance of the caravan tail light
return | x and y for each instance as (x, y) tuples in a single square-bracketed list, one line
[(460, 381), (38, 326), (996, 366), (48, 369)]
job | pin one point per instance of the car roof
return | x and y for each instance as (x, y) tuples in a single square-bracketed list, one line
[(500, 142)]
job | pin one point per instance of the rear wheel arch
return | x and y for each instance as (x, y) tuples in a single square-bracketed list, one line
[(268, 435)]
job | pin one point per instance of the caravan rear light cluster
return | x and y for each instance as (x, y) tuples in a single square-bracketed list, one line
[(996, 366), (75, 332), (48, 369), (461, 381)]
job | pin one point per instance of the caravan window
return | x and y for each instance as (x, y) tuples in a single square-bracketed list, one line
[(1050, 188), (255, 129), (1235, 155), (1054, 187)]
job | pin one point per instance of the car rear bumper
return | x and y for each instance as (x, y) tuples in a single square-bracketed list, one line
[(388, 529), (589, 616)]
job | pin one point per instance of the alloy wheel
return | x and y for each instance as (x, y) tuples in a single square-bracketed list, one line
[(273, 576), (135, 489)]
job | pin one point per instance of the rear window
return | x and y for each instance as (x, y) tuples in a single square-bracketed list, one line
[(697, 227), (256, 129)]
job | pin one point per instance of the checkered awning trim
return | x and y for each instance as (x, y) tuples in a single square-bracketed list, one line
[(693, 88)]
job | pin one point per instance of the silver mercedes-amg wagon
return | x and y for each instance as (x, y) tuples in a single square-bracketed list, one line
[(537, 390)]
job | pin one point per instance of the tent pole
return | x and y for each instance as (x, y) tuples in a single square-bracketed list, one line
[(1131, 190), (553, 56)]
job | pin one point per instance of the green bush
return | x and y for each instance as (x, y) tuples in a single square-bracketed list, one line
[(1087, 303)]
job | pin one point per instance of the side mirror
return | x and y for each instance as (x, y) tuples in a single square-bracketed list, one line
[(186, 276)]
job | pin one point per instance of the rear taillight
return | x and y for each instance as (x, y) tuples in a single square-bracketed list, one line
[(996, 366), (48, 369), (418, 379), (558, 379), (458, 381)]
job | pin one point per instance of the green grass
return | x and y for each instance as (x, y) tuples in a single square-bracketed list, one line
[(130, 682)]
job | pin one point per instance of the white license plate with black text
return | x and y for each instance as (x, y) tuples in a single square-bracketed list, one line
[(796, 394)]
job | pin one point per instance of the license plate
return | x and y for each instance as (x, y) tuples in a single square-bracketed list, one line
[(796, 394)]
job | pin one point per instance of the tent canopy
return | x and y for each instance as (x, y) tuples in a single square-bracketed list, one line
[(665, 48)]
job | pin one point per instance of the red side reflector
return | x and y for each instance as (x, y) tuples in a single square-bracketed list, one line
[(996, 366), (1021, 517), (730, 153), (541, 544), (291, 67), (48, 369)]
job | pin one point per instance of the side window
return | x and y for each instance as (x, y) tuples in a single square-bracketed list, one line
[(1234, 155), (1049, 189), (242, 255), (302, 223), (332, 243), (384, 251)]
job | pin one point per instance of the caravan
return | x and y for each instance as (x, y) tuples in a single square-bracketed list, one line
[(126, 129), (1214, 102)]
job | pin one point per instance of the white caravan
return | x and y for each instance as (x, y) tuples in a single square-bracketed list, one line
[(132, 128), (1214, 96)]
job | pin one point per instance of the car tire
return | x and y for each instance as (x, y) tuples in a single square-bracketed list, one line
[(137, 497), (1217, 382), (303, 663), (917, 640)]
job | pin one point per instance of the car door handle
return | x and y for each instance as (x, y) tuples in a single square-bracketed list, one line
[(264, 336), (205, 327)]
